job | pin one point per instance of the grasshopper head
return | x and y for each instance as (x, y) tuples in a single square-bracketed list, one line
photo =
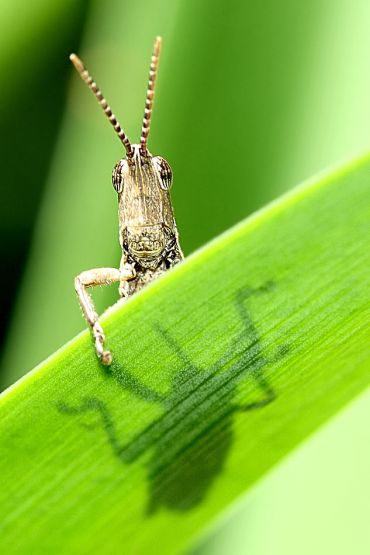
[(144, 169), (142, 182)]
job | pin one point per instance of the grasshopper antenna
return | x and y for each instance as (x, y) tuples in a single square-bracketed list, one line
[(150, 94), (103, 103)]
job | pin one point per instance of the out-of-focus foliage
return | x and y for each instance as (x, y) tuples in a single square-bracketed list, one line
[(252, 98), (269, 91), (35, 38)]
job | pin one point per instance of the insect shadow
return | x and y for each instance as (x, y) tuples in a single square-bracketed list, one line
[(192, 437)]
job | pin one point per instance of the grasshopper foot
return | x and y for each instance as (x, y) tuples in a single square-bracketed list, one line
[(104, 356)]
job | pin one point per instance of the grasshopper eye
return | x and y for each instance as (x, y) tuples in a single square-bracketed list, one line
[(119, 171), (165, 172)]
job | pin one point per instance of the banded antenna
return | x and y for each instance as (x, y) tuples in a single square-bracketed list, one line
[(103, 103), (150, 94)]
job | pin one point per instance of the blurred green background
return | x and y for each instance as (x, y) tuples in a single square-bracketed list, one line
[(252, 98)]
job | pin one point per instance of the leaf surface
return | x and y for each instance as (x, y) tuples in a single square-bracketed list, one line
[(221, 368)]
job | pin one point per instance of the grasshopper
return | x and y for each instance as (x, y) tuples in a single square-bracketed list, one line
[(147, 229)]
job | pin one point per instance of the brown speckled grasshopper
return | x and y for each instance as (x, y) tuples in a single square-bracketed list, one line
[(147, 229)]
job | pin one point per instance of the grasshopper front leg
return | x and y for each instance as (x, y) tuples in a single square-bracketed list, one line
[(92, 278)]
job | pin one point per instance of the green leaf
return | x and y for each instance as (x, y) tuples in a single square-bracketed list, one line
[(221, 368), (322, 487)]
